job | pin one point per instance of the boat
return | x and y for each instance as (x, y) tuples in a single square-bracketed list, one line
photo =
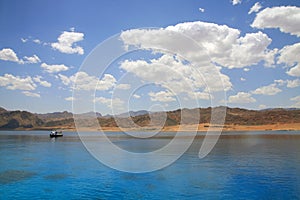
[(56, 134)]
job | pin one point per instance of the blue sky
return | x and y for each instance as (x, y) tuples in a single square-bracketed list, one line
[(254, 45)]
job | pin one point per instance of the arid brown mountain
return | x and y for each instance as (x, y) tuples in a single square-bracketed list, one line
[(234, 116), (19, 120)]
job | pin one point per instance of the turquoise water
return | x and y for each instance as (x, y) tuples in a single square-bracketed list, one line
[(252, 166)]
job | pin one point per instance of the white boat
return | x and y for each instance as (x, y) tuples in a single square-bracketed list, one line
[(56, 134)]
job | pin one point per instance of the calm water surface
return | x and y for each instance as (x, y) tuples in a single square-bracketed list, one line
[(253, 166)]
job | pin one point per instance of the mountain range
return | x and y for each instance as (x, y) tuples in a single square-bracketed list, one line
[(20, 120)]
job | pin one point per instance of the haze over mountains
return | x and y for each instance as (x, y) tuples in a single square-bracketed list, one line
[(20, 120)]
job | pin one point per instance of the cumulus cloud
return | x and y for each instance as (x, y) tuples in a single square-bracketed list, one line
[(162, 96), (271, 89), (200, 95), (289, 55), (286, 18), (8, 54), (255, 8), (223, 44), (31, 94), (32, 59), (289, 83), (67, 43), (170, 72), (12, 82), (115, 103), (38, 79), (249, 50), (123, 86), (54, 68), (83, 81), (241, 98), (293, 83), (235, 2), (107, 82), (243, 79)]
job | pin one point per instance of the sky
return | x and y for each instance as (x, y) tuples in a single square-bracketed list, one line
[(239, 53)]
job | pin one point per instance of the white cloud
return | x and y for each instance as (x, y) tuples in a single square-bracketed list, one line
[(289, 55), (115, 103), (162, 96), (65, 80), (293, 83), (67, 43), (255, 8), (37, 79), (136, 96), (83, 81), (243, 79), (123, 86), (241, 97), (107, 82), (295, 71), (200, 95), (37, 41), (31, 94), (223, 44), (169, 72), (286, 18), (8, 54), (280, 82), (69, 98), (54, 68), (33, 59), (249, 50), (12, 82), (267, 90), (246, 69), (288, 83), (235, 2), (24, 40), (201, 10), (297, 100)]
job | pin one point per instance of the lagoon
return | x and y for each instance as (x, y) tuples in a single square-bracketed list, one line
[(243, 165)]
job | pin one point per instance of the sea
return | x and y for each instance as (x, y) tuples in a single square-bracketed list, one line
[(242, 165)]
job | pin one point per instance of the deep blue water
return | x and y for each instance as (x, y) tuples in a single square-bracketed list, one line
[(252, 166)]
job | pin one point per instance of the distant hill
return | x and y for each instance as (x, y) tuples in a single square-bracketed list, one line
[(19, 119), (90, 114), (133, 113), (234, 116), (55, 116)]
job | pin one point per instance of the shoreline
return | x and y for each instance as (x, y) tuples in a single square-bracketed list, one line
[(183, 128)]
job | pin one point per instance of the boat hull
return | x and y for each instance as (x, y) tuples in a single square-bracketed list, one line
[(56, 135)]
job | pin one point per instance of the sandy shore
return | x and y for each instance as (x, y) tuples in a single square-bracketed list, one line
[(200, 127)]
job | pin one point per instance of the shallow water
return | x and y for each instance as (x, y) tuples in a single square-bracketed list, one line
[(256, 165)]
